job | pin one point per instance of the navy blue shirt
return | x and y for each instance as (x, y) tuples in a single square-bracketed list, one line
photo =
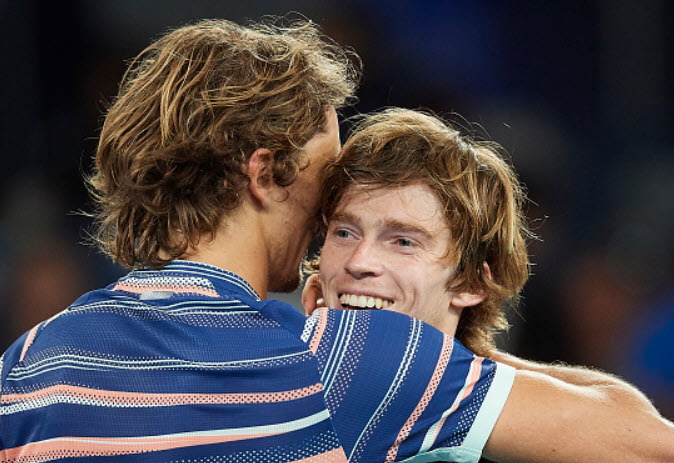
[(187, 364)]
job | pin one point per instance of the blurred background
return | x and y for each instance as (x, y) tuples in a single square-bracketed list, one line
[(579, 93)]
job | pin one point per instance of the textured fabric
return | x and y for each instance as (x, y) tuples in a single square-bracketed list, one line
[(187, 364)]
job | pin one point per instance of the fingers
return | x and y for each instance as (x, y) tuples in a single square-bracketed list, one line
[(311, 294)]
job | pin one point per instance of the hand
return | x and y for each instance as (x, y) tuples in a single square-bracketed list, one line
[(312, 294)]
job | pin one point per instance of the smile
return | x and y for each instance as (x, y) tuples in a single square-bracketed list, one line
[(364, 302)]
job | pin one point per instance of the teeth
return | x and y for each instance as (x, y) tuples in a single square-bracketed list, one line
[(365, 302)]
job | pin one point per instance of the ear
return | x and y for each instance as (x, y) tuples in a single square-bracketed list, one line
[(469, 299), (466, 299), (312, 294), (259, 171)]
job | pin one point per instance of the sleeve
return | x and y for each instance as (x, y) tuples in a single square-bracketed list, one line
[(9, 358), (399, 390)]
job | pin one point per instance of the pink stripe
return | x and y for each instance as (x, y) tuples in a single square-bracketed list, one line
[(137, 398), (472, 378), (440, 367), (320, 329), (178, 289), (29, 341), (333, 456), (476, 369), (78, 447)]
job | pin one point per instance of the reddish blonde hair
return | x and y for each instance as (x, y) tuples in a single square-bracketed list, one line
[(480, 194), (191, 109)]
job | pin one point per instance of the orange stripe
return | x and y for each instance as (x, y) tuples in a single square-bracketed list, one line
[(137, 398), (440, 367), (179, 289), (100, 446), (474, 374), (320, 329), (29, 341), (476, 369), (333, 456)]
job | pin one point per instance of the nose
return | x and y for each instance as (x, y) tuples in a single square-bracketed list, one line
[(365, 261)]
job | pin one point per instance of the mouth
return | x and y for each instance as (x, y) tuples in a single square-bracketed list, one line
[(362, 301)]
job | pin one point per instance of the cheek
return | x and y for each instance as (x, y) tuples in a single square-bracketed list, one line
[(428, 290), (328, 263)]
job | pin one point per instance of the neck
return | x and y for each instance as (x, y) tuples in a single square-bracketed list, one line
[(450, 320), (238, 247)]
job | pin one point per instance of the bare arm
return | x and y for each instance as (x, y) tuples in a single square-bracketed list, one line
[(562, 414), (567, 414), (581, 376)]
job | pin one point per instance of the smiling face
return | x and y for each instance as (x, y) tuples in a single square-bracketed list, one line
[(387, 248)]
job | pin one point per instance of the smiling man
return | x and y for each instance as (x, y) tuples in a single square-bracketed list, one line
[(423, 221), (387, 248)]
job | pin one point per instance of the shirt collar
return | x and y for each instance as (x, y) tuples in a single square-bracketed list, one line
[(225, 282)]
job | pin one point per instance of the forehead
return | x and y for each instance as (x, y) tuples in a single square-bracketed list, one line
[(413, 205)]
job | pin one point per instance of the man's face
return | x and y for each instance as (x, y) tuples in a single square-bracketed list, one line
[(386, 248), (299, 203)]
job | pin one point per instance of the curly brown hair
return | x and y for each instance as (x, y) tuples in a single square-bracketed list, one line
[(480, 194), (191, 109)]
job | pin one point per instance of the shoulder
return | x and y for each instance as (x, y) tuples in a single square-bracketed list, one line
[(393, 380)]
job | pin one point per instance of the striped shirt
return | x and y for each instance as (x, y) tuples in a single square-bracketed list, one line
[(188, 365)]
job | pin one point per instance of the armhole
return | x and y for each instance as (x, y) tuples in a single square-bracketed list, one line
[(491, 408)]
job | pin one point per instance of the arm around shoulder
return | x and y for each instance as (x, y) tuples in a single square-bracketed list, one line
[(548, 420)]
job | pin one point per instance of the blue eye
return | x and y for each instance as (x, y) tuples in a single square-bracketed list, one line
[(342, 233), (404, 242)]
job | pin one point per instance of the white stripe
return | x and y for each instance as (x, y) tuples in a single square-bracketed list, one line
[(335, 346), (410, 349), (135, 305), (279, 428), (309, 327), (66, 399), (338, 364), (141, 363), (133, 300), (90, 363), (429, 439)]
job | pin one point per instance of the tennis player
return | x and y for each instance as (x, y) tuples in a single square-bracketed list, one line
[(423, 221)]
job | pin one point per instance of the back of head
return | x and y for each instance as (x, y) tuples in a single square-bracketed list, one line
[(192, 108), (478, 190)]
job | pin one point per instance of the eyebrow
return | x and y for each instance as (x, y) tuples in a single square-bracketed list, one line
[(388, 224)]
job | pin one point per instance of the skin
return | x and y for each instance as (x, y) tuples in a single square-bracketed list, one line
[(392, 244), (266, 237), (293, 225)]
